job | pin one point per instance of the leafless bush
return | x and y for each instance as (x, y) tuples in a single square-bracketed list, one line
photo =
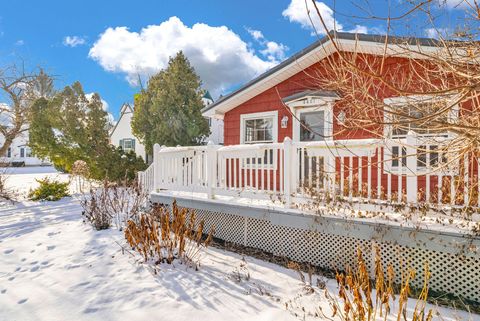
[(163, 236), (113, 202), (81, 172), (365, 300)]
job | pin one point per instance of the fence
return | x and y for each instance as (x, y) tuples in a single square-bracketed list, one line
[(409, 170)]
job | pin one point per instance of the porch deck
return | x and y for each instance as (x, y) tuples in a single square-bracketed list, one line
[(362, 173), (319, 202)]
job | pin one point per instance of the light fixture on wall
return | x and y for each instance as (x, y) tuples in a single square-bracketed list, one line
[(284, 121)]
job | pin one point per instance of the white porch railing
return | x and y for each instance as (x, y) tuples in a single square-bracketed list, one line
[(362, 170), (146, 179)]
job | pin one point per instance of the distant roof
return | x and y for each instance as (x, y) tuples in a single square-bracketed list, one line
[(425, 42), (122, 111), (314, 93), (207, 95)]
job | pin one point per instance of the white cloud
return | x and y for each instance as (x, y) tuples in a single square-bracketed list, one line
[(220, 57), (73, 41), (359, 29), (256, 34), (273, 51), (298, 12), (19, 42), (438, 33)]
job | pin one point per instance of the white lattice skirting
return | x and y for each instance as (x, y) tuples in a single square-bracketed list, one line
[(454, 259)]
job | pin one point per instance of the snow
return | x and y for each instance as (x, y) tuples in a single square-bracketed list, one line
[(53, 266), (354, 212)]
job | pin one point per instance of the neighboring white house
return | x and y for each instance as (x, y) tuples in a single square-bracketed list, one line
[(19, 153), (216, 125), (122, 135)]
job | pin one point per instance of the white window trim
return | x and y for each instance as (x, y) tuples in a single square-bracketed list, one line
[(267, 114), (327, 108), (392, 102)]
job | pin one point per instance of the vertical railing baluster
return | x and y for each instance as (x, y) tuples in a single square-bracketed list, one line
[(379, 173), (360, 176), (350, 178), (342, 169)]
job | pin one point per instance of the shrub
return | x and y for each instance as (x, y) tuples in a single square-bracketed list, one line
[(6, 193), (113, 202), (364, 299), (163, 236), (49, 190)]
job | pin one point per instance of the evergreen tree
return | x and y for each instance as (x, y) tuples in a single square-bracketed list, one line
[(70, 127), (168, 112)]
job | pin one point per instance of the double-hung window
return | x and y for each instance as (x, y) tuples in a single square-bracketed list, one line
[(260, 128), (426, 116), (127, 144)]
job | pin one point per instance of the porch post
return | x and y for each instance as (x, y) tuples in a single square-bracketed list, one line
[(211, 168), (156, 167), (288, 168), (412, 181)]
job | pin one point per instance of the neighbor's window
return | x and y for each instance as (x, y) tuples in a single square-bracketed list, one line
[(127, 144), (404, 118), (258, 130), (312, 126)]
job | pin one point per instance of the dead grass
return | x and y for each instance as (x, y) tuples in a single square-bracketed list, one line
[(163, 236)]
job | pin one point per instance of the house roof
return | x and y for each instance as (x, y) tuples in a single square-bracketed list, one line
[(125, 107), (305, 58), (311, 93), (207, 95)]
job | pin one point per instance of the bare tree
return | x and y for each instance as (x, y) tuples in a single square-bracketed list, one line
[(436, 80), (18, 91)]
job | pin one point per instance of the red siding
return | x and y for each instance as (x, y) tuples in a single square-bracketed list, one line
[(270, 100)]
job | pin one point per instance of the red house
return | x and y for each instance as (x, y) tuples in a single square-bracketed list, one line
[(284, 136)]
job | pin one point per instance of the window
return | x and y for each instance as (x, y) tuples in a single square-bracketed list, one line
[(405, 111), (313, 123), (396, 156), (28, 152), (127, 144), (259, 128), (312, 126), (22, 152), (435, 156), (209, 120), (8, 154)]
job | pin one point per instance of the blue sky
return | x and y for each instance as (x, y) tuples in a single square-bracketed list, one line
[(101, 43)]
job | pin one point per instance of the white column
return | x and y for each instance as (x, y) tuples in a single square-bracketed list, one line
[(412, 181), (288, 168), (211, 168), (156, 167)]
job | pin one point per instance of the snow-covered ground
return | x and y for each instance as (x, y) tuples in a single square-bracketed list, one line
[(55, 267)]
